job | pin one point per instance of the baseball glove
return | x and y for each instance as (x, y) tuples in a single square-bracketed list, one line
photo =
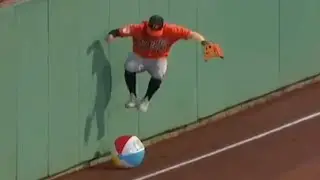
[(211, 50)]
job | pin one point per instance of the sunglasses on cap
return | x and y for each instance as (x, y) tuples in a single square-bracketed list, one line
[(155, 27)]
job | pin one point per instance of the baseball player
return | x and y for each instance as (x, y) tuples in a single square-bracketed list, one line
[(152, 42)]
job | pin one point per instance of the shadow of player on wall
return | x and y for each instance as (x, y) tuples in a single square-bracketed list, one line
[(101, 68)]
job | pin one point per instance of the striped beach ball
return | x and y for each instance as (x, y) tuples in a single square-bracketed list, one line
[(128, 152)]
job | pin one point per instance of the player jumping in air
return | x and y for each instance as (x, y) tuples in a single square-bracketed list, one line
[(152, 42)]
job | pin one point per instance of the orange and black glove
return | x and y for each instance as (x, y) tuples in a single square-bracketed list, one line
[(211, 50)]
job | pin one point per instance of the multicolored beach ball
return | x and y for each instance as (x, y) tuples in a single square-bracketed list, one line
[(129, 152)]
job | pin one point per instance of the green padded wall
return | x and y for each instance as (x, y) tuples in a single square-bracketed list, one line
[(8, 94), (64, 37), (299, 39), (94, 73), (32, 89), (248, 32)]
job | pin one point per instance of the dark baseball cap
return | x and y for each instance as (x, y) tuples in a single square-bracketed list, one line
[(156, 22)]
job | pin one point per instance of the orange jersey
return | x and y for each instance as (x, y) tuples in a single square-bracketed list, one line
[(154, 47)]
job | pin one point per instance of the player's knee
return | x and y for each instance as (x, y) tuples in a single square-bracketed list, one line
[(131, 66), (159, 71), (158, 76)]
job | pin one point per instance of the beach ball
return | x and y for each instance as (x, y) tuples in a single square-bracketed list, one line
[(128, 152)]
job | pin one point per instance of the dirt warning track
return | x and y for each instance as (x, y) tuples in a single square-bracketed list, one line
[(276, 140)]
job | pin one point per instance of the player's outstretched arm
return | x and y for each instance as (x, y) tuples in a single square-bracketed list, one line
[(211, 49), (126, 31), (198, 37), (187, 34)]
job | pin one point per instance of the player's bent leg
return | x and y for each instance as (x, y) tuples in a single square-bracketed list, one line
[(153, 86), (157, 70), (130, 79), (132, 65)]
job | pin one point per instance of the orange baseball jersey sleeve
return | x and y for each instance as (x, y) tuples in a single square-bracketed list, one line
[(131, 30), (179, 32)]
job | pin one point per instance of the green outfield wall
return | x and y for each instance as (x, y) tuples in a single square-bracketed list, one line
[(62, 89)]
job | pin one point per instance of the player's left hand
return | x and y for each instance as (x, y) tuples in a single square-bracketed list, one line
[(211, 50)]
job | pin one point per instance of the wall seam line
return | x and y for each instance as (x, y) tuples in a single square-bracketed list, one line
[(197, 63), (17, 117), (279, 43), (48, 99)]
